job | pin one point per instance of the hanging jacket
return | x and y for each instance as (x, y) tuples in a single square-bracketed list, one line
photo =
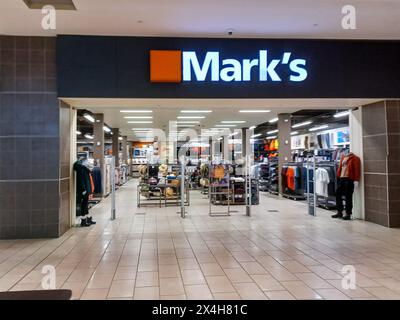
[(82, 179), (353, 170)]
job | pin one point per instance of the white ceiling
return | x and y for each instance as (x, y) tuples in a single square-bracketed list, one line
[(165, 110), (376, 19)]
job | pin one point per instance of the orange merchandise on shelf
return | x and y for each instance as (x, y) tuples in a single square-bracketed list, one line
[(290, 178)]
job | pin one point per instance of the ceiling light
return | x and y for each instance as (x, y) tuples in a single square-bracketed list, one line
[(226, 125), (254, 111), (252, 127), (233, 134), (255, 135), (141, 129), (273, 131), (88, 136), (191, 117), (136, 111), (301, 124), (294, 133), (189, 122), (233, 121), (271, 137), (88, 117), (219, 139), (318, 128), (196, 111), (273, 120), (106, 129), (341, 114), (120, 138), (138, 117), (78, 132), (185, 125), (138, 122)]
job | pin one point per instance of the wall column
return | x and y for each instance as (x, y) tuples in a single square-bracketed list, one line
[(115, 145), (98, 138), (125, 150), (284, 127)]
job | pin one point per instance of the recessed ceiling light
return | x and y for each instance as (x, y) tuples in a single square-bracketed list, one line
[(301, 124), (272, 131), (254, 111), (191, 117), (271, 137), (138, 122), (78, 132), (233, 121), (88, 136), (233, 134), (319, 128), (138, 117), (88, 117), (196, 111), (341, 114), (136, 111), (255, 135), (120, 138), (185, 125), (273, 120), (226, 125), (252, 127), (294, 133), (189, 122), (106, 129)]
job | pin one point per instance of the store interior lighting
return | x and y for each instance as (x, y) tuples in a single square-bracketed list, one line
[(273, 120), (106, 129), (273, 131), (301, 124), (136, 111), (138, 117), (233, 121), (89, 117), (88, 136), (341, 114), (196, 111), (78, 132), (293, 133), (252, 127), (319, 128), (256, 135), (254, 111), (271, 137), (140, 122), (191, 117)]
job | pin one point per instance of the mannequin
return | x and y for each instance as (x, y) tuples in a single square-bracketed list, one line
[(348, 176), (83, 190)]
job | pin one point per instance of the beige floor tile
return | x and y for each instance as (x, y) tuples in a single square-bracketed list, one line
[(198, 292), (267, 282), (188, 264), (249, 291), (94, 294), (226, 296), (281, 274), (294, 266), (81, 275), (122, 289), (383, 293), (300, 290), (237, 275), (313, 281), (227, 262), (169, 271), (147, 279), (253, 267), (191, 277), (177, 297), (279, 295), (77, 289), (100, 281), (325, 273), (211, 269), (148, 265), (125, 273), (219, 284), (128, 261), (352, 293), (332, 294), (171, 286), (167, 260), (147, 293)]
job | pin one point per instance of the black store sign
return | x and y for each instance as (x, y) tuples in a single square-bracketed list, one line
[(119, 67)]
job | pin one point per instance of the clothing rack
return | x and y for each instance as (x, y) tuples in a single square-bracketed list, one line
[(291, 175), (328, 201)]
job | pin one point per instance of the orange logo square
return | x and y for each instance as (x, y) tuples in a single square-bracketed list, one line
[(165, 65)]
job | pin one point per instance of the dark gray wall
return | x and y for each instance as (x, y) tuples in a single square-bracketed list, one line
[(30, 186)]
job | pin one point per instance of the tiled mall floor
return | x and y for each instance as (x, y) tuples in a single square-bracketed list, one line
[(151, 253)]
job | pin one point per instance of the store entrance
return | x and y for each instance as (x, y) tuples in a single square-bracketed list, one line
[(233, 155)]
